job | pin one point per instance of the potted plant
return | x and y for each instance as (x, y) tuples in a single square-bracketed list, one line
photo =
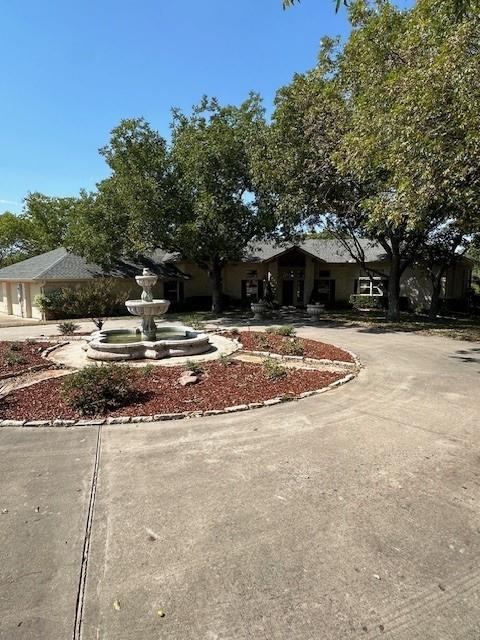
[(315, 310), (259, 308)]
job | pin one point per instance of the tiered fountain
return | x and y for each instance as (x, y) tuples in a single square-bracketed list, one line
[(147, 341)]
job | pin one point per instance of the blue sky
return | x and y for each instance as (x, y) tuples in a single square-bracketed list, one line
[(72, 69)]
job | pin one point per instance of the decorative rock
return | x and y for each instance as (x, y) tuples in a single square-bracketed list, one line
[(89, 423), (255, 405), (63, 423), (212, 412), (12, 423), (37, 423), (142, 419), (119, 420), (168, 416), (269, 403), (187, 379), (237, 407)]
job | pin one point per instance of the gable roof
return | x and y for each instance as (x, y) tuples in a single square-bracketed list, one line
[(59, 264), (329, 251)]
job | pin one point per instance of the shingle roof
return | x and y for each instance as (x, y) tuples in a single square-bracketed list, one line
[(330, 251), (59, 264)]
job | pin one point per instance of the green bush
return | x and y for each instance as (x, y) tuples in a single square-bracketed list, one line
[(284, 330), (193, 320), (360, 302), (96, 300), (273, 369), (293, 347), (98, 389), (67, 327), (225, 360), (15, 346), (195, 367), (12, 358)]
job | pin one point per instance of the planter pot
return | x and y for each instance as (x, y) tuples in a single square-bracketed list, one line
[(315, 310), (259, 309)]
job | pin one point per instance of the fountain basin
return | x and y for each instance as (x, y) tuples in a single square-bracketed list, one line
[(120, 344), (147, 309)]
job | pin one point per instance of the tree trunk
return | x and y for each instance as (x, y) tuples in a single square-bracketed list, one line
[(435, 300), (215, 275), (393, 311)]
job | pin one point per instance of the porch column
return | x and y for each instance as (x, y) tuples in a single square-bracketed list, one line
[(28, 299), (8, 295), (309, 279)]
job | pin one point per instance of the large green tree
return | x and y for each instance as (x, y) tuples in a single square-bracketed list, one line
[(193, 196), (13, 236), (382, 137)]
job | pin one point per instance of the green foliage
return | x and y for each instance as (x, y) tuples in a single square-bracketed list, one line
[(98, 389), (293, 347), (273, 369), (383, 134), (193, 320), (13, 236), (13, 358), (147, 370), (195, 194), (195, 367), (68, 327), (360, 302), (96, 300), (283, 330), (225, 360), (15, 346)]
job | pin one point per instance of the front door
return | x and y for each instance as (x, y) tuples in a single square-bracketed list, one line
[(287, 293)]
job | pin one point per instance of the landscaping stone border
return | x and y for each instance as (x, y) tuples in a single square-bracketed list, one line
[(173, 416)]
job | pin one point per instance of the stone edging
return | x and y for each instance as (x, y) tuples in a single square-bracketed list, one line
[(324, 361), (172, 416), (32, 369)]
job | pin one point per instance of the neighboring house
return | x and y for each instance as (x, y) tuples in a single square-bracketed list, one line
[(319, 270)]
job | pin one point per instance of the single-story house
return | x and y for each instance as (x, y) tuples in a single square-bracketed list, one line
[(316, 269)]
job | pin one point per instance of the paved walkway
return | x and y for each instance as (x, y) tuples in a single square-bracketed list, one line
[(354, 514)]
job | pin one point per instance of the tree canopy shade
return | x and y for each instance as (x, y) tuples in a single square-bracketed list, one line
[(193, 196), (383, 136)]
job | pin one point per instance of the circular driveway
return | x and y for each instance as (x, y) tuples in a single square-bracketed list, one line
[(347, 515)]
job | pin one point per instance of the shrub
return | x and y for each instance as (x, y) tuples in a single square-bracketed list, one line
[(67, 327), (284, 330), (147, 370), (194, 320), (293, 347), (13, 358), (15, 346), (31, 341), (273, 369), (96, 300), (360, 302), (225, 360), (98, 389), (195, 367)]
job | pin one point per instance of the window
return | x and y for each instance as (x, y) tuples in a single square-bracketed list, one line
[(173, 290), (252, 290), (324, 273), (370, 286)]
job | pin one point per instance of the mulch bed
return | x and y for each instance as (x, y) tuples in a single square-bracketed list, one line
[(158, 391), (284, 345), (29, 355)]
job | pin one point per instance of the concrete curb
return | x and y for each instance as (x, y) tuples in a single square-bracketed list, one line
[(158, 417)]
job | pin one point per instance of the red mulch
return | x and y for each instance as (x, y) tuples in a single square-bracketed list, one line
[(30, 352), (159, 392), (259, 341)]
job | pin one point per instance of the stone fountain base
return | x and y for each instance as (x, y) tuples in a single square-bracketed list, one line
[(100, 347)]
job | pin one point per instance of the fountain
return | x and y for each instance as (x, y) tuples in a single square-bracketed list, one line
[(148, 340)]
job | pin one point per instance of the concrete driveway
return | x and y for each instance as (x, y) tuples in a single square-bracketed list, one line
[(354, 514)]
